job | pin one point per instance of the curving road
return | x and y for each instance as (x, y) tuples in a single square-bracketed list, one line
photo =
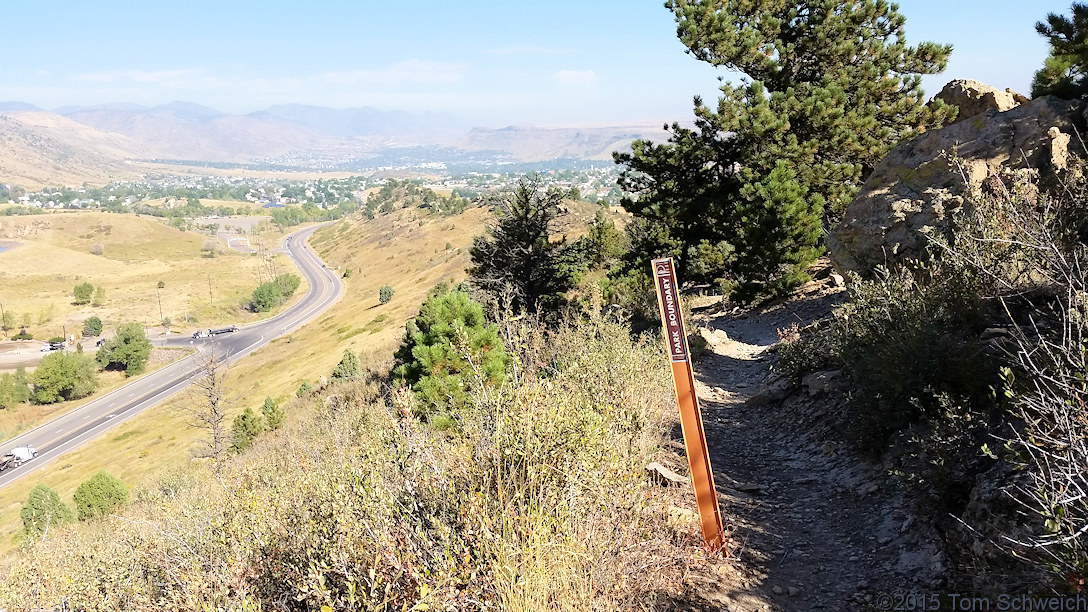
[(94, 418)]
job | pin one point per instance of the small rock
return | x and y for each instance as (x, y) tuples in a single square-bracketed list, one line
[(853, 558), (794, 591), (776, 391), (819, 382), (777, 590), (665, 476), (838, 279), (883, 541)]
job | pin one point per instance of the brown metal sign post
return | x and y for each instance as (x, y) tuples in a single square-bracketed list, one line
[(691, 421)]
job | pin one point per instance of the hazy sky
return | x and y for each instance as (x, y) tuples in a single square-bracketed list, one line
[(546, 62)]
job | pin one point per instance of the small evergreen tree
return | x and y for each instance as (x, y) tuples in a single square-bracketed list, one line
[(606, 243), (446, 347), (517, 263), (304, 389), (778, 233), (273, 414), (385, 294), (43, 511), (99, 495), (349, 366), (92, 327), (244, 429)]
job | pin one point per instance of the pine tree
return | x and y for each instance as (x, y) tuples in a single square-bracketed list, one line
[(244, 429), (840, 82), (43, 511), (1065, 70), (447, 347), (517, 263), (828, 87), (349, 366), (779, 228), (273, 414)]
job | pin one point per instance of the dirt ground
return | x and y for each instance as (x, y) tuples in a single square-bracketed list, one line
[(19, 353), (811, 526)]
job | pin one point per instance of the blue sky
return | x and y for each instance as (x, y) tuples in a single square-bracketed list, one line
[(493, 63)]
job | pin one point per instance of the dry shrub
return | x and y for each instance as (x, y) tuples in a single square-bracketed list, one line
[(538, 501), (1026, 517)]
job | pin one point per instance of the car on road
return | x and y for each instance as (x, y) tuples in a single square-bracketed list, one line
[(17, 456)]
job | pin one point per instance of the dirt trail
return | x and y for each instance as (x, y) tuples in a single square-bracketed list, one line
[(813, 527)]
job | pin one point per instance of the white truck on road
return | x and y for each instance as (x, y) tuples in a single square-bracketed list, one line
[(17, 456)]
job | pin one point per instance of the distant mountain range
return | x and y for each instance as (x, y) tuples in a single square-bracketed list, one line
[(116, 134)]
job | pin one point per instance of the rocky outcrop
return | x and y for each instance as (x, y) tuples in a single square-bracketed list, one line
[(974, 98), (915, 189)]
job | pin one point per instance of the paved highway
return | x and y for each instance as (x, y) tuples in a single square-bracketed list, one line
[(91, 420)]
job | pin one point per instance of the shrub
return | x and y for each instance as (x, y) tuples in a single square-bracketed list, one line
[(82, 293), (304, 389), (385, 294), (347, 273), (43, 511), (92, 327), (98, 249), (99, 495), (274, 293), (99, 297)]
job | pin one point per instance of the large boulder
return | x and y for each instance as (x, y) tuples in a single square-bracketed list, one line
[(915, 189), (974, 98)]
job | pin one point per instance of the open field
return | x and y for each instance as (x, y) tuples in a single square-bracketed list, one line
[(53, 253), (404, 249)]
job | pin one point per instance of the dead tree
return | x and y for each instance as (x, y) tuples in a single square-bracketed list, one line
[(209, 406)]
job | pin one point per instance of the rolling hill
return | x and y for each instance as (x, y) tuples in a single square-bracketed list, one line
[(98, 144), (39, 149)]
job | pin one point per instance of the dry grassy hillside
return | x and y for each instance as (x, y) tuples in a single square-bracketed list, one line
[(40, 149), (405, 249), (52, 253)]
